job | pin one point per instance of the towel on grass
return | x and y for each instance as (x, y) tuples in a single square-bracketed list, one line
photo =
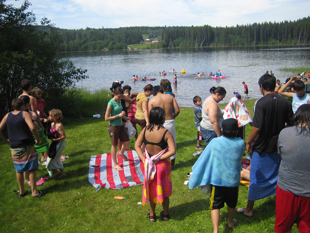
[(102, 174)]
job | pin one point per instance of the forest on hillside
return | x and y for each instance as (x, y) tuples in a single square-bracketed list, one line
[(287, 33)]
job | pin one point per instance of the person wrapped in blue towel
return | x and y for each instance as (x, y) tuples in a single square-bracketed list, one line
[(219, 166)]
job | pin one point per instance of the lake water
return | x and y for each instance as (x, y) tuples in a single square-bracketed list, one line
[(236, 65)]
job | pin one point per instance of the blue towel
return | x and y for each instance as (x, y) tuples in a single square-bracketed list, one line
[(219, 164), (263, 175)]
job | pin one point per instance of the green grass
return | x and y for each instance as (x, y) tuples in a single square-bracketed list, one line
[(73, 205), (296, 70), (144, 46), (93, 102)]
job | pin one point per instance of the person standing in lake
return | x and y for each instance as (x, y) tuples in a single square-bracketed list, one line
[(272, 113), (246, 90), (212, 114)]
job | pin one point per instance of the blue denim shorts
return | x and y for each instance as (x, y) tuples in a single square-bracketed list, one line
[(207, 135)]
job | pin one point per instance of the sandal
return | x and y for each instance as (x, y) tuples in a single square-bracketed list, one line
[(122, 155), (41, 193), (117, 168), (164, 217), (21, 195), (151, 218)]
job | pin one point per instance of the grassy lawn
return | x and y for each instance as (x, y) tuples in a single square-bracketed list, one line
[(73, 205)]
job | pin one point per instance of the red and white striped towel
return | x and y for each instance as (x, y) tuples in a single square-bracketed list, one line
[(102, 174)]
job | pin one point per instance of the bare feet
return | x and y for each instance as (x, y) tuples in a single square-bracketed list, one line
[(55, 173), (62, 175), (244, 211), (232, 224)]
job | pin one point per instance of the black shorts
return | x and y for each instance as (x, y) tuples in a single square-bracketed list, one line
[(220, 195)]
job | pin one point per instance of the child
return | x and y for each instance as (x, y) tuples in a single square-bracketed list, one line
[(198, 118), (55, 164), (114, 115), (131, 107), (43, 146), (299, 95), (40, 104), (20, 131), (219, 166), (26, 87), (246, 90)]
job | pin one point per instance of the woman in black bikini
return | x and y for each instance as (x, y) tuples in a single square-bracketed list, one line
[(157, 185)]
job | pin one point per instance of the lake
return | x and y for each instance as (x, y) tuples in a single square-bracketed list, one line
[(236, 64)]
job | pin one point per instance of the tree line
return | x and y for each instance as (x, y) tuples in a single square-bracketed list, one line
[(287, 33)]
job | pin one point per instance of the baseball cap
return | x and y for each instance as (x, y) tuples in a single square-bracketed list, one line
[(230, 124), (237, 94)]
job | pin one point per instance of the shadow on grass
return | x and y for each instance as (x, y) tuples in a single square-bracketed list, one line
[(261, 213), (186, 143), (184, 210), (187, 163)]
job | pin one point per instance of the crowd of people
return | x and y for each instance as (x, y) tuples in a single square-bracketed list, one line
[(28, 128), (276, 145)]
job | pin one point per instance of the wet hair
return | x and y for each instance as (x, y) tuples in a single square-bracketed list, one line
[(25, 99), (127, 87), (157, 117), (196, 98), (302, 118), (298, 85), (219, 90), (268, 82), (166, 85), (25, 84), (118, 91), (35, 92), (17, 103), (157, 89), (148, 87), (56, 113)]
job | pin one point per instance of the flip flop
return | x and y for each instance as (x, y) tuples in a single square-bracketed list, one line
[(235, 224), (241, 211), (41, 193), (21, 195), (123, 156), (117, 168), (40, 182)]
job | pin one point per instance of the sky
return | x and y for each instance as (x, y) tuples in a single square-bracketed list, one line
[(79, 14)]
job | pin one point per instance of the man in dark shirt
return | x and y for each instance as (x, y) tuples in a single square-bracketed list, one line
[(272, 113)]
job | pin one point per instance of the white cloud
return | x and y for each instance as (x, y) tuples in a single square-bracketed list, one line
[(121, 13)]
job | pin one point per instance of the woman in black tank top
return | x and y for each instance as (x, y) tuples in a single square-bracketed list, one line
[(157, 140)]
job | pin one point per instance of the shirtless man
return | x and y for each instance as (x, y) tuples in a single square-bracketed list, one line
[(168, 103)]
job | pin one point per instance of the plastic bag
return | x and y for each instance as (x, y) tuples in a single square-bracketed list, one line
[(131, 131), (206, 190)]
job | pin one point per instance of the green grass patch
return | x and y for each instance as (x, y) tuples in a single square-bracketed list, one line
[(93, 102), (144, 46), (73, 205), (296, 70)]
